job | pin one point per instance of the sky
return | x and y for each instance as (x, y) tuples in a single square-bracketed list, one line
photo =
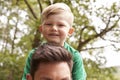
[(112, 57), (106, 3)]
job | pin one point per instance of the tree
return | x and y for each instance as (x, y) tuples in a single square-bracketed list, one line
[(19, 22)]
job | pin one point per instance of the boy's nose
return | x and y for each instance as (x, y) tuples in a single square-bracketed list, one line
[(54, 27)]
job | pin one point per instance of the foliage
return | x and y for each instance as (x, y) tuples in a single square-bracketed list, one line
[(19, 22), (10, 66)]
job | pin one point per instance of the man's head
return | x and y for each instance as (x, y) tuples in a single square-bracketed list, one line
[(51, 62), (57, 20)]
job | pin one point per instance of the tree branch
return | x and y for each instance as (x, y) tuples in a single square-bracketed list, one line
[(40, 6), (92, 48), (30, 8), (14, 37), (103, 32)]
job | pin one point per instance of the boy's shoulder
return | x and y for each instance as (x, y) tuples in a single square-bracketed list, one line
[(75, 53), (31, 52), (70, 48)]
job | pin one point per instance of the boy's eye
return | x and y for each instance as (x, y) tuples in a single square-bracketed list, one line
[(48, 24), (61, 25)]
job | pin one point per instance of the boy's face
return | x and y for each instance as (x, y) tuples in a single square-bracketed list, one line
[(52, 71), (56, 28)]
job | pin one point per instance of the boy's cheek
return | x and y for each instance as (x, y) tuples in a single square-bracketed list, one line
[(40, 29)]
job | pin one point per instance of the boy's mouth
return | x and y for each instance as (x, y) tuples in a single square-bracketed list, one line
[(53, 35)]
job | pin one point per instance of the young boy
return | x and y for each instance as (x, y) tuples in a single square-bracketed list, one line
[(51, 62), (57, 20)]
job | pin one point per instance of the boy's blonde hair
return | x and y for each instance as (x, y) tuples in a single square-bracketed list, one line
[(57, 8)]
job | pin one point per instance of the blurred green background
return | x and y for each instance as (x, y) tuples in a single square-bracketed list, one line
[(97, 28)]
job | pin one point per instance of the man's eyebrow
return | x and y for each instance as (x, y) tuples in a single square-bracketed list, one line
[(45, 78), (66, 78)]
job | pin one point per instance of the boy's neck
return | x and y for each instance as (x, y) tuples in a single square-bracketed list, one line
[(53, 42)]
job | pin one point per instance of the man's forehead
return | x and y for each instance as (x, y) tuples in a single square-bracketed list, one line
[(50, 78)]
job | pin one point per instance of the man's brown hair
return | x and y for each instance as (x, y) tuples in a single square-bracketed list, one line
[(50, 53)]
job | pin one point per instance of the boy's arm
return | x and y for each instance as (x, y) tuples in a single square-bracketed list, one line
[(27, 65), (78, 72)]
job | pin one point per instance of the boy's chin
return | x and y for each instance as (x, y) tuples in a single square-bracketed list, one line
[(55, 42)]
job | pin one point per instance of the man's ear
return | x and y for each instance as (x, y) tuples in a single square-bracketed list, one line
[(28, 77), (71, 30), (40, 28)]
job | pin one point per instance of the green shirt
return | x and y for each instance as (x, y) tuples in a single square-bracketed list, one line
[(78, 72)]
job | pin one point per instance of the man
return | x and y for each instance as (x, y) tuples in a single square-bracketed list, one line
[(51, 62)]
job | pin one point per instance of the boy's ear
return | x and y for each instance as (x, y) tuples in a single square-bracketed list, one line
[(71, 30), (28, 77), (40, 28)]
